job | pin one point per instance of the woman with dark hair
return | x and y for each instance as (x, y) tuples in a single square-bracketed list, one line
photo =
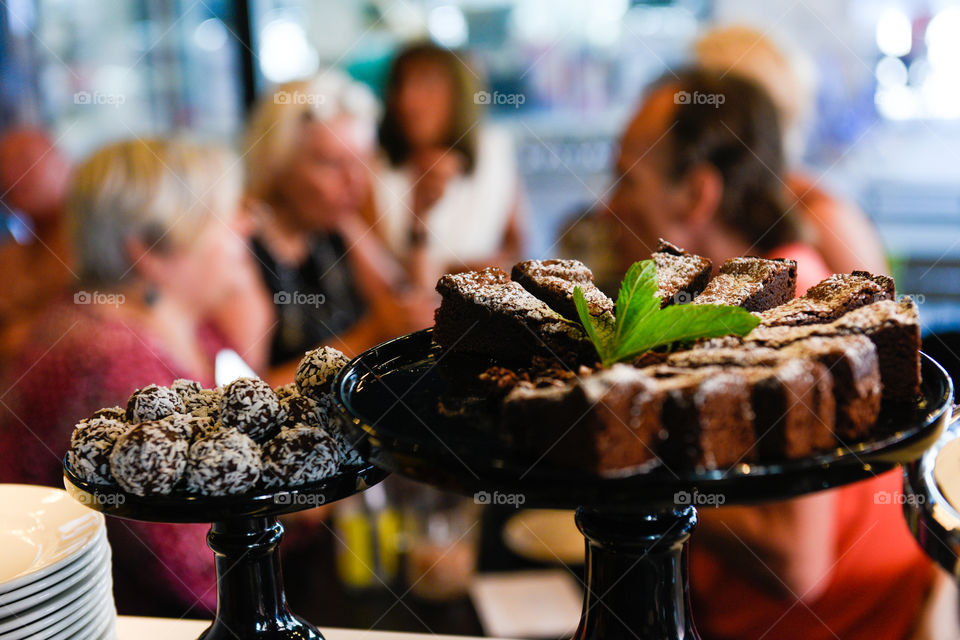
[(448, 193), (701, 165)]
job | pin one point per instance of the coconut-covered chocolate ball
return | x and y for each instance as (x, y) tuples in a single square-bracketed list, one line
[(287, 390), (298, 456), (298, 410), (185, 388), (330, 421), (153, 402), (113, 413), (316, 371), (205, 403), (149, 459), (190, 426), (90, 447), (250, 406), (225, 463)]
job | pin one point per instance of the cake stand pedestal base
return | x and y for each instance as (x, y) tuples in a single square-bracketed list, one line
[(637, 585), (250, 597)]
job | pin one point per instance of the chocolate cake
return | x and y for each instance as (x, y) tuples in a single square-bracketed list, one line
[(892, 327), (852, 360), (708, 417), (554, 281), (681, 276), (830, 299), (756, 284), (795, 410), (606, 422), (484, 312)]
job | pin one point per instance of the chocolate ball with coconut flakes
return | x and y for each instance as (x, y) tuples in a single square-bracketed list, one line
[(112, 413), (149, 459), (90, 446), (153, 402), (317, 369), (204, 403), (287, 390), (185, 388), (190, 426), (298, 410), (331, 422), (225, 463), (250, 406), (298, 456)]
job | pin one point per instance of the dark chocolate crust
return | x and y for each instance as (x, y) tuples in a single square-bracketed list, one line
[(681, 276), (756, 284), (830, 299), (554, 281)]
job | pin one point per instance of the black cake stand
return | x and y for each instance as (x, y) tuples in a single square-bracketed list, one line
[(245, 537), (637, 526)]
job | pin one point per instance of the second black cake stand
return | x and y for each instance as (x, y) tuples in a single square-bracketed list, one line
[(245, 537), (636, 527)]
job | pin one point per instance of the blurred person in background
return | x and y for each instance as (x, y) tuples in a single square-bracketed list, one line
[(34, 256), (326, 278), (155, 261), (705, 174), (448, 195), (840, 230)]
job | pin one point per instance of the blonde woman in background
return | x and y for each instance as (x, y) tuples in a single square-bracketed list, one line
[(308, 150), (841, 232), (155, 260)]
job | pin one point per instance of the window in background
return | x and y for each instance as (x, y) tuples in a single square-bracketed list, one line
[(114, 69)]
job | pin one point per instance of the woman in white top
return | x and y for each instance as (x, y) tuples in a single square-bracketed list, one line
[(448, 192)]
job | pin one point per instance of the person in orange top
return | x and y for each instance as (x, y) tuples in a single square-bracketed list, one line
[(700, 165)]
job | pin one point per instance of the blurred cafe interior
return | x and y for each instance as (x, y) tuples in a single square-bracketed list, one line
[(208, 189)]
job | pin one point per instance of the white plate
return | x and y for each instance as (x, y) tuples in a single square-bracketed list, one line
[(79, 596), (56, 583), (80, 610), (42, 531), (89, 627), (545, 535)]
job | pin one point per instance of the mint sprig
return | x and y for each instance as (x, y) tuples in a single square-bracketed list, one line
[(641, 325)]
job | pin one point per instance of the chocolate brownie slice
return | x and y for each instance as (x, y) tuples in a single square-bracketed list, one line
[(756, 284), (892, 327), (680, 274), (605, 423), (852, 360), (795, 410), (709, 418), (554, 281), (483, 312), (830, 299), (792, 412)]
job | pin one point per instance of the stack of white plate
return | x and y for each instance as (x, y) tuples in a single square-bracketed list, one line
[(55, 580)]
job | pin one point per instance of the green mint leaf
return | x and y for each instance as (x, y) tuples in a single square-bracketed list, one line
[(637, 298), (599, 330), (641, 324), (682, 323)]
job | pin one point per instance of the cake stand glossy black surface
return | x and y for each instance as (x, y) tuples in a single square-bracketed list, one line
[(933, 519), (245, 537), (636, 526)]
